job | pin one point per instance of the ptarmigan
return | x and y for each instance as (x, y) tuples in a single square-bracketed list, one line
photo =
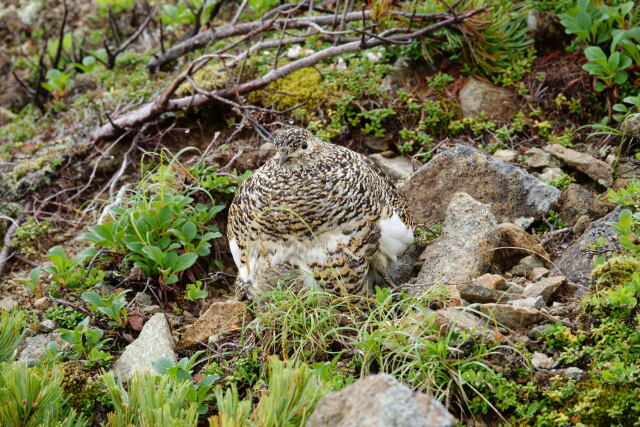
[(319, 211)]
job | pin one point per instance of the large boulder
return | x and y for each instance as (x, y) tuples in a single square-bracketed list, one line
[(154, 341), (465, 249), (595, 169), (511, 192), (379, 401), (576, 261), (479, 98)]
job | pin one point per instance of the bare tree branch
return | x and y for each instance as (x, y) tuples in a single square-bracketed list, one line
[(154, 109)]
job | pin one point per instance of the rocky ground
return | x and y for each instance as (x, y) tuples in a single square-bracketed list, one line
[(520, 292)]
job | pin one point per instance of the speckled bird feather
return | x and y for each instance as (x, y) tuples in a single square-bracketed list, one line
[(320, 211)]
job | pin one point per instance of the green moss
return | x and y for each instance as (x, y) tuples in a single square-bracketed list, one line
[(616, 271), (82, 389), (211, 76), (300, 86)]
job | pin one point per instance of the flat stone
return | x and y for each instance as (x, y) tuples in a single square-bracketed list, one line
[(538, 273), (34, 347), (512, 316), (511, 192), (8, 304), (478, 294), (464, 250), (492, 281), (154, 341), (505, 155), (533, 302), (549, 174), (595, 169), (478, 98), (541, 361), (47, 326), (379, 401), (222, 316), (526, 266), (545, 288), (537, 158), (396, 168), (459, 319), (41, 304)]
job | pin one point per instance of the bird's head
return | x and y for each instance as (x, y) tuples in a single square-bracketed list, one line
[(295, 145)]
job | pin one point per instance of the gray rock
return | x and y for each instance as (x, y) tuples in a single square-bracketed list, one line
[(47, 325), (379, 401), (460, 319), (512, 316), (464, 251), (550, 173), (536, 332), (8, 304), (630, 126), (533, 302), (34, 347), (144, 298), (41, 304), (151, 309), (546, 288), (505, 155), (478, 98), (478, 294), (577, 201), (514, 288), (396, 168), (572, 373), (510, 191), (541, 361), (576, 261), (538, 273), (526, 266), (537, 158), (595, 169), (154, 341)]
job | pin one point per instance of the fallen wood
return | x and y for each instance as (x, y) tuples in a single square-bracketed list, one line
[(214, 34), (154, 109)]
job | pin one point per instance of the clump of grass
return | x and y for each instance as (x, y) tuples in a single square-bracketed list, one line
[(12, 329), (33, 397), (392, 333)]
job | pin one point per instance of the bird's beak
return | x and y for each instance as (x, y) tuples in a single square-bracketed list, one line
[(283, 159)]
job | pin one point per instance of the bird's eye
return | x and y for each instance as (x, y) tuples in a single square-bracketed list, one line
[(304, 145)]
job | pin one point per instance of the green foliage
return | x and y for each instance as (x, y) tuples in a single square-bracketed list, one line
[(628, 229), (112, 305), (194, 291), (33, 397), (150, 401), (610, 69), (242, 369), (562, 181), (58, 83), (159, 229), (199, 392), (86, 343), (67, 272), (623, 111), (208, 179), (64, 316), (12, 330), (591, 23), (391, 333), (294, 391), (425, 234), (553, 220), (32, 283), (494, 44), (25, 238)]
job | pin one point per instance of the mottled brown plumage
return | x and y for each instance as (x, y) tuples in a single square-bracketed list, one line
[(318, 210)]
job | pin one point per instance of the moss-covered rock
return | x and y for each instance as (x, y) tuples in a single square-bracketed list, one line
[(616, 271)]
